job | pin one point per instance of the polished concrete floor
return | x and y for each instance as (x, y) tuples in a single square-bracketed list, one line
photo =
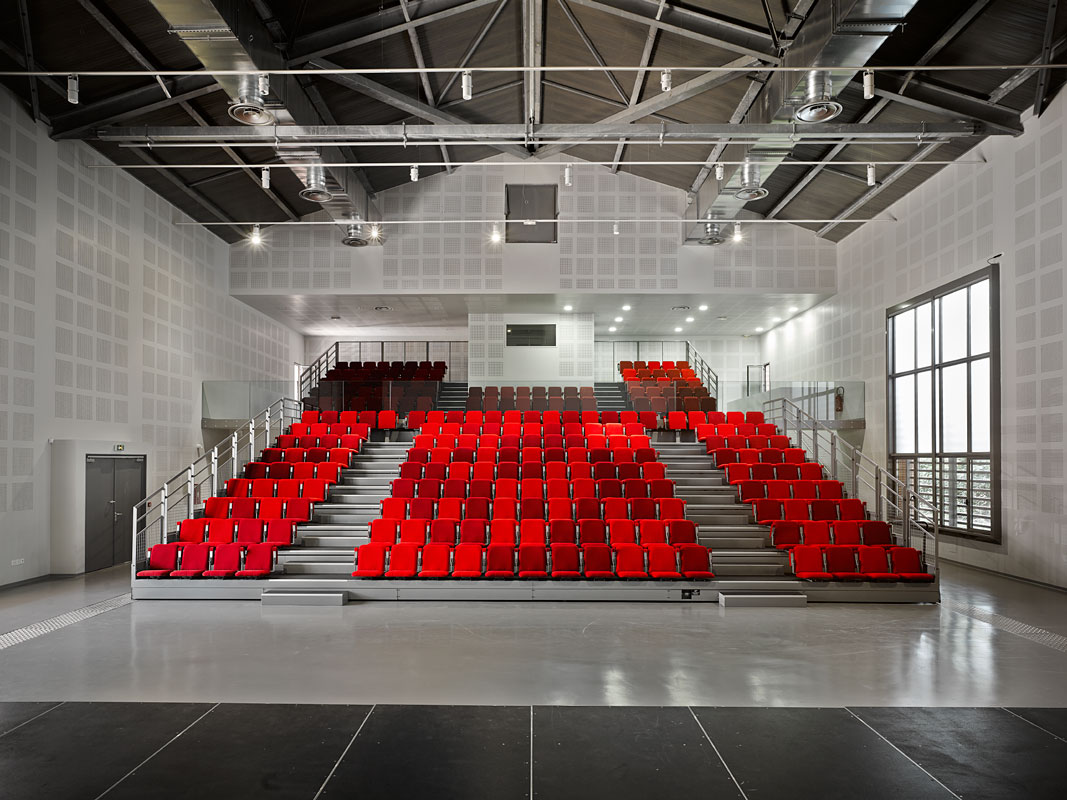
[(545, 654)]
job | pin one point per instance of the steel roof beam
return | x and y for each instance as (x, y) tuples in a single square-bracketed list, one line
[(27, 46), (940, 100), (639, 78), (472, 48), (533, 55), (1041, 96), (424, 78)]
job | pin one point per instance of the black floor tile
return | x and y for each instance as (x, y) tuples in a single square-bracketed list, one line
[(80, 749), (976, 752), (812, 754), (437, 752), (622, 753), (1053, 720), (14, 714), (249, 751)]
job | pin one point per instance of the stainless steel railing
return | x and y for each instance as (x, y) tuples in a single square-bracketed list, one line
[(700, 366), (915, 520), (156, 518)]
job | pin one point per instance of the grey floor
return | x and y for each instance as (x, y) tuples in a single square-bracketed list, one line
[(993, 642)]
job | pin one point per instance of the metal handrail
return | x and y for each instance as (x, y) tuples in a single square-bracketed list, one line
[(189, 488), (700, 366), (313, 374), (895, 502)]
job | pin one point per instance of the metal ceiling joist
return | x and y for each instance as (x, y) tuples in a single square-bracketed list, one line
[(592, 48), (27, 47), (20, 58), (424, 78), (700, 27), (915, 161), (408, 105), (315, 96), (472, 48), (533, 55), (374, 27), (639, 78), (1023, 75), (1041, 97), (940, 100)]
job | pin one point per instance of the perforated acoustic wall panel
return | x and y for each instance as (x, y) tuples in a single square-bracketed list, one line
[(948, 228), (492, 362), (111, 315)]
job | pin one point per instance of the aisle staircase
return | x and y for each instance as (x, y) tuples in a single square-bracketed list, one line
[(452, 397), (610, 397)]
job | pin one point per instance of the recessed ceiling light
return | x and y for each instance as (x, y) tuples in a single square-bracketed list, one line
[(679, 308), (776, 319), (689, 319), (677, 330), (618, 319), (625, 308), (382, 308), (335, 316), (702, 308), (568, 308), (721, 319), (793, 309), (612, 329), (759, 330)]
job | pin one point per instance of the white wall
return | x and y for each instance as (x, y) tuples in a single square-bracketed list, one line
[(111, 315), (492, 363), (948, 228)]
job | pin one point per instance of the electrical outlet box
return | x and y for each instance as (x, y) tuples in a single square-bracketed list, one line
[(120, 448), (18, 562)]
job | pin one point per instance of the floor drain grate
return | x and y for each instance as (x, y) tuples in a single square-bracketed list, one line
[(1009, 625), (20, 635)]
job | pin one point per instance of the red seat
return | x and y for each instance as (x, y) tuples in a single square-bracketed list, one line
[(259, 561), (807, 561), (653, 531), (907, 563), (847, 532), (561, 531), (533, 561), (815, 532), (413, 531), (841, 563), (785, 534), (473, 531), (874, 564), (227, 561), (435, 560), (695, 562), (681, 531), (403, 561), (876, 532), (468, 561), (596, 560), (630, 561), (162, 560), (663, 561), (500, 561)]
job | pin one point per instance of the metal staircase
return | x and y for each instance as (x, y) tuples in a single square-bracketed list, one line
[(610, 397), (452, 397)]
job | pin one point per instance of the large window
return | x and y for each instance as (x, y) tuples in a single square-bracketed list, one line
[(944, 403)]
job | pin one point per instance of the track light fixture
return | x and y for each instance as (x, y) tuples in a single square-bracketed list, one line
[(467, 83), (414, 173), (256, 237), (665, 80), (615, 229), (494, 237), (568, 175), (375, 231), (871, 181), (72, 89), (720, 171), (737, 231), (868, 84), (264, 178)]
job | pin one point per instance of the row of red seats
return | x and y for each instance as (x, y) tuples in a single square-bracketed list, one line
[(533, 508), (493, 455), (369, 419), (551, 470), (363, 374), (336, 455), (787, 533), (390, 364), (724, 430), (542, 417), (361, 430), (767, 511), (750, 491), (528, 403), (533, 531), (205, 560), (346, 442), (531, 391), (593, 441), (808, 471), (532, 487), (532, 561), (652, 365), (863, 563), (752, 455), (312, 489), (242, 531), (279, 470), (532, 429), (294, 508), (751, 442)]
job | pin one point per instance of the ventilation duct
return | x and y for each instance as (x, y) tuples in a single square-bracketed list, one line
[(750, 183), (819, 104), (315, 189), (248, 108), (713, 234), (354, 236)]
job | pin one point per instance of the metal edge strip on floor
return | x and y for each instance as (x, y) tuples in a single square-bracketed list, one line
[(344, 753), (53, 624), (1009, 625), (726, 766)]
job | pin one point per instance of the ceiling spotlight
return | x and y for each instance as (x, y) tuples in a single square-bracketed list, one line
[(568, 308), (618, 319), (759, 330), (468, 85), (612, 329), (677, 330), (383, 308), (702, 308), (264, 178), (72, 89), (689, 319), (818, 105), (256, 237), (354, 235), (750, 183), (414, 173), (315, 191), (722, 319), (263, 84), (776, 319), (335, 316), (679, 308), (494, 237), (375, 231), (615, 229), (248, 108), (568, 175), (868, 84), (665, 80), (737, 231), (720, 171), (871, 178), (625, 308), (793, 309)]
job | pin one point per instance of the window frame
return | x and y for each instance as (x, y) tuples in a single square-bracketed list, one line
[(937, 455)]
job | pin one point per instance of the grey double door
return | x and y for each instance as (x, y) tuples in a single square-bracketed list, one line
[(113, 485)]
